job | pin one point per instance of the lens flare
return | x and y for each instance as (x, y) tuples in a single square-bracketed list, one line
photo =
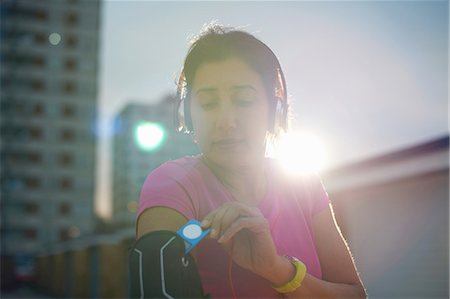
[(54, 38), (149, 136), (301, 153)]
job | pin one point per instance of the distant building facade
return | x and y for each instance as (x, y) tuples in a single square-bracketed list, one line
[(133, 161), (394, 212), (49, 63)]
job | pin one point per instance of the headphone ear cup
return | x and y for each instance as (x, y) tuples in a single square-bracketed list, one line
[(187, 115), (179, 120), (281, 109), (183, 122), (182, 117), (279, 116)]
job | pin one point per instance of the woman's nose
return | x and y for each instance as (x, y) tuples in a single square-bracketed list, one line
[(226, 119)]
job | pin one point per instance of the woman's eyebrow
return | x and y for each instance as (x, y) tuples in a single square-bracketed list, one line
[(209, 90), (206, 90), (243, 87)]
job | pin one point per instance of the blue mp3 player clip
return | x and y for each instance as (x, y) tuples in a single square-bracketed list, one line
[(192, 233)]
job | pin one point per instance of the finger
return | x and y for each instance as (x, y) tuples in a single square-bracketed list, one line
[(223, 218), (229, 213), (219, 219), (254, 224), (211, 221), (206, 222), (228, 217), (248, 210)]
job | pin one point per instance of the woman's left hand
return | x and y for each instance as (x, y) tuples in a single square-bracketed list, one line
[(244, 232)]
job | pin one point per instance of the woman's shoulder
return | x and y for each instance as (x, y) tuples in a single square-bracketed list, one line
[(306, 189), (177, 169), (298, 181)]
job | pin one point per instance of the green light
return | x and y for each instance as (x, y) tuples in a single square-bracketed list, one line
[(149, 136)]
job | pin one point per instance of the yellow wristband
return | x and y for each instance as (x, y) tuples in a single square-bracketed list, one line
[(296, 282)]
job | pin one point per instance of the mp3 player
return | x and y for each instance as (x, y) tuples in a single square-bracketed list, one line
[(192, 233)]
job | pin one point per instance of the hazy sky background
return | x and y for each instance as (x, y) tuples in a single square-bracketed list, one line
[(367, 77)]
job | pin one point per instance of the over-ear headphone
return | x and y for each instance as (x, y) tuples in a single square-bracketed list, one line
[(278, 106), (280, 114)]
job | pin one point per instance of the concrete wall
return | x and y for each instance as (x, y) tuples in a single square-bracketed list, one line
[(81, 274), (113, 271), (57, 272), (398, 233), (98, 270)]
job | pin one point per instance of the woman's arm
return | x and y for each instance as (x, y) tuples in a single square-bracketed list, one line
[(254, 250), (158, 265), (159, 218), (339, 276)]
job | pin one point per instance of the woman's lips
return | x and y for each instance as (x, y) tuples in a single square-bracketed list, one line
[(228, 143)]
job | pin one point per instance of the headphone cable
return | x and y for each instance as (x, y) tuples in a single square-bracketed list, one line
[(230, 266)]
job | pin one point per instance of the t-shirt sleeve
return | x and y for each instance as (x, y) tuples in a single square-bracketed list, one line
[(162, 188)]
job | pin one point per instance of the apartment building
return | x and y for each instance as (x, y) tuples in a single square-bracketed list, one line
[(49, 65), (145, 137)]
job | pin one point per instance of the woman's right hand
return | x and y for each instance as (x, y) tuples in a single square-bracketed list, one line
[(244, 232)]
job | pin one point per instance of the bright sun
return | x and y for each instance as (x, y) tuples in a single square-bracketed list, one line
[(301, 153)]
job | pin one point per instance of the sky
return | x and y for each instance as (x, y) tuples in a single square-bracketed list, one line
[(366, 77)]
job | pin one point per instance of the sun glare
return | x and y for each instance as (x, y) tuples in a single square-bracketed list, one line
[(149, 136), (301, 153)]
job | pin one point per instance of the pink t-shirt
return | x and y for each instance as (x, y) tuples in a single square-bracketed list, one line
[(188, 186)]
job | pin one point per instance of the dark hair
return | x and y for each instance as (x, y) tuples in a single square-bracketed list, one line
[(215, 43)]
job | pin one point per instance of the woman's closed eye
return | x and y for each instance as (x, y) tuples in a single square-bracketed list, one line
[(209, 104), (244, 96), (243, 102)]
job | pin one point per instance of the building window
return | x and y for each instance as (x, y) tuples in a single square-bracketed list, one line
[(65, 184), (35, 133), (65, 159), (68, 110), (38, 109), (41, 15), (71, 40), (63, 234), (71, 18), (64, 209), (69, 87), (67, 135), (33, 183), (70, 64), (35, 157), (38, 85), (74, 232), (30, 233), (40, 38), (31, 208), (39, 61)]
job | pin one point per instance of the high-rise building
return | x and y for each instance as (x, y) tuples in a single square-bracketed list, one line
[(145, 137), (49, 63)]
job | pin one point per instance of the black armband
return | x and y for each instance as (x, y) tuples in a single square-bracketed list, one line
[(159, 268)]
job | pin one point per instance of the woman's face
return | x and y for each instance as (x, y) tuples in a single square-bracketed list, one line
[(229, 111)]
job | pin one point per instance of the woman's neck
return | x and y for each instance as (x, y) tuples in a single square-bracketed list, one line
[(246, 184)]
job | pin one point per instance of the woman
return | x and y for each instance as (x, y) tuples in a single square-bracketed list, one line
[(279, 231)]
